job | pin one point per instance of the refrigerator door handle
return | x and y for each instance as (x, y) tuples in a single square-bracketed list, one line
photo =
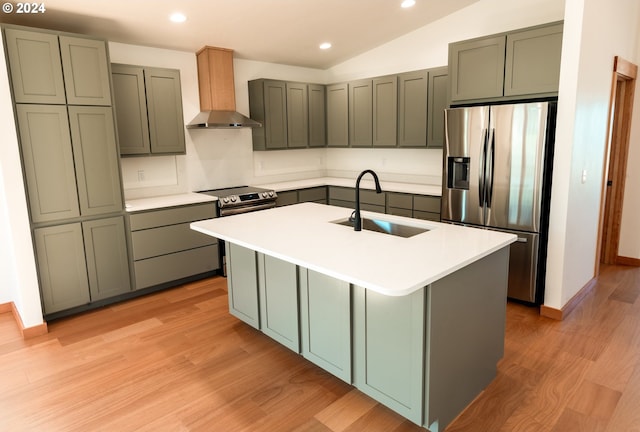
[(481, 171), (491, 164)]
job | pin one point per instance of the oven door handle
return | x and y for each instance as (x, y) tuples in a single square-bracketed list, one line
[(229, 211)]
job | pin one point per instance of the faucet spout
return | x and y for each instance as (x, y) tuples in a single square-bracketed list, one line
[(357, 219)]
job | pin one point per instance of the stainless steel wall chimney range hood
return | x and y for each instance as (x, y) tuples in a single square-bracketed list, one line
[(217, 92)]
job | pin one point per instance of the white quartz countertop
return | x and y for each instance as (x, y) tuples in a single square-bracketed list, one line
[(366, 183), (304, 235), (151, 203)]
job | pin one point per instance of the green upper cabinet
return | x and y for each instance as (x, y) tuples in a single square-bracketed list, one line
[(47, 160), (385, 111), (164, 108), (437, 101), (533, 61), (148, 103), (412, 108), (523, 63), (338, 115), (361, 113), (131, 109), (35, 66), (477, 68), (96, 159), (297, 115), (317, 115), (86, 71), (268, 105)]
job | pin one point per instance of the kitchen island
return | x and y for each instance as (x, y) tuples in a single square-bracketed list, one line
[(415, 322)]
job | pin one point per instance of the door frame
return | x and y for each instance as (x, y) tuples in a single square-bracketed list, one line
[(615, 163)]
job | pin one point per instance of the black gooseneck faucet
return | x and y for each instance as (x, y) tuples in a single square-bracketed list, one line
[(357, 220)]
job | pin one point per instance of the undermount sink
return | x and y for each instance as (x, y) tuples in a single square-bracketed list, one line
[(384, 227)]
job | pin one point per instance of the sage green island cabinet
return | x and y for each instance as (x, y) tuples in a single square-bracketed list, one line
[(148, 104), (361, 113), (165, 251), (317, 116), (80, 263), (242, 283), (48, 68), (338, 115), (385, 111), (507, 66)]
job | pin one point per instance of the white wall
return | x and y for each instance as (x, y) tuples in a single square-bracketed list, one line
[(585, 86), (19, 282)]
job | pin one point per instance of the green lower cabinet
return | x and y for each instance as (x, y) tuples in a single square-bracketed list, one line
[(325, 318), (278, 284), (242, 281), (388, 350)]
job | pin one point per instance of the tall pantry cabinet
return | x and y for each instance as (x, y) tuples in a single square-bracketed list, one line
[(62, 95)]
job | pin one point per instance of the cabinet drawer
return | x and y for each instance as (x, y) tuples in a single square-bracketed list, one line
[(175, 215), (426, 215), (167, 268), (400, 200), (312, 194), (167, 239), (342, 194), (371, 197), (341, 203), (397, 211), (287, 198), (426, 203)]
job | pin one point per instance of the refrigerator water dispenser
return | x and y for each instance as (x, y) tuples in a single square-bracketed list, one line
[(458, 170)]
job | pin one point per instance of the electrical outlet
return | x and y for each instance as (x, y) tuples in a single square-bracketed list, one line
[(140, 175)]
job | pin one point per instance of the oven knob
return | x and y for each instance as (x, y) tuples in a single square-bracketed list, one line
[(264, 194), (233, 198), (270, 193), (225, 199)]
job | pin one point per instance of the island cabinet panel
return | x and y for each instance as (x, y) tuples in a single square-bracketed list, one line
[(389, 346), (338, 115), (47, 159), (242, 281), (35, 66), (325, 318), (385, 111), (466, 320), (86, 71), (61, 267), (278, 283)]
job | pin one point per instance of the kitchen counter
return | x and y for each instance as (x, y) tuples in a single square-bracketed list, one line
[(304, 235), (151, 203), (366, 183)]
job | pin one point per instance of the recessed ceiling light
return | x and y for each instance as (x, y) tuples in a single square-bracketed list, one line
[(407, 3), (325, 45), (178, 17)]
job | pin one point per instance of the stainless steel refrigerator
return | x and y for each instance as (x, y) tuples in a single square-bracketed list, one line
[(497, 175)]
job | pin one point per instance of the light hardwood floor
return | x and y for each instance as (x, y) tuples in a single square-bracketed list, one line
[(177, 361)]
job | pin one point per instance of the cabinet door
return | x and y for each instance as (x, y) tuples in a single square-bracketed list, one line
[(317, 116), (61, 266), (385, 111), (86, 71), (275, 115), (297, 115), (242, 282), (96, 159), (107, 261), (412, 109), (389, 349), (360, 113), (477, 68), (131, 109), (48, 162), (36, 70), (438, 101), (164, 108), (325, 309), (337, 115), (278, 281), (533, 61)]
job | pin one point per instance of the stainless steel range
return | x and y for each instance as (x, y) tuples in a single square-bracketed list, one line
[(242, 199)]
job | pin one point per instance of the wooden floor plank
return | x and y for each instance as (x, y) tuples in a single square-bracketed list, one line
[(177, 361)]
